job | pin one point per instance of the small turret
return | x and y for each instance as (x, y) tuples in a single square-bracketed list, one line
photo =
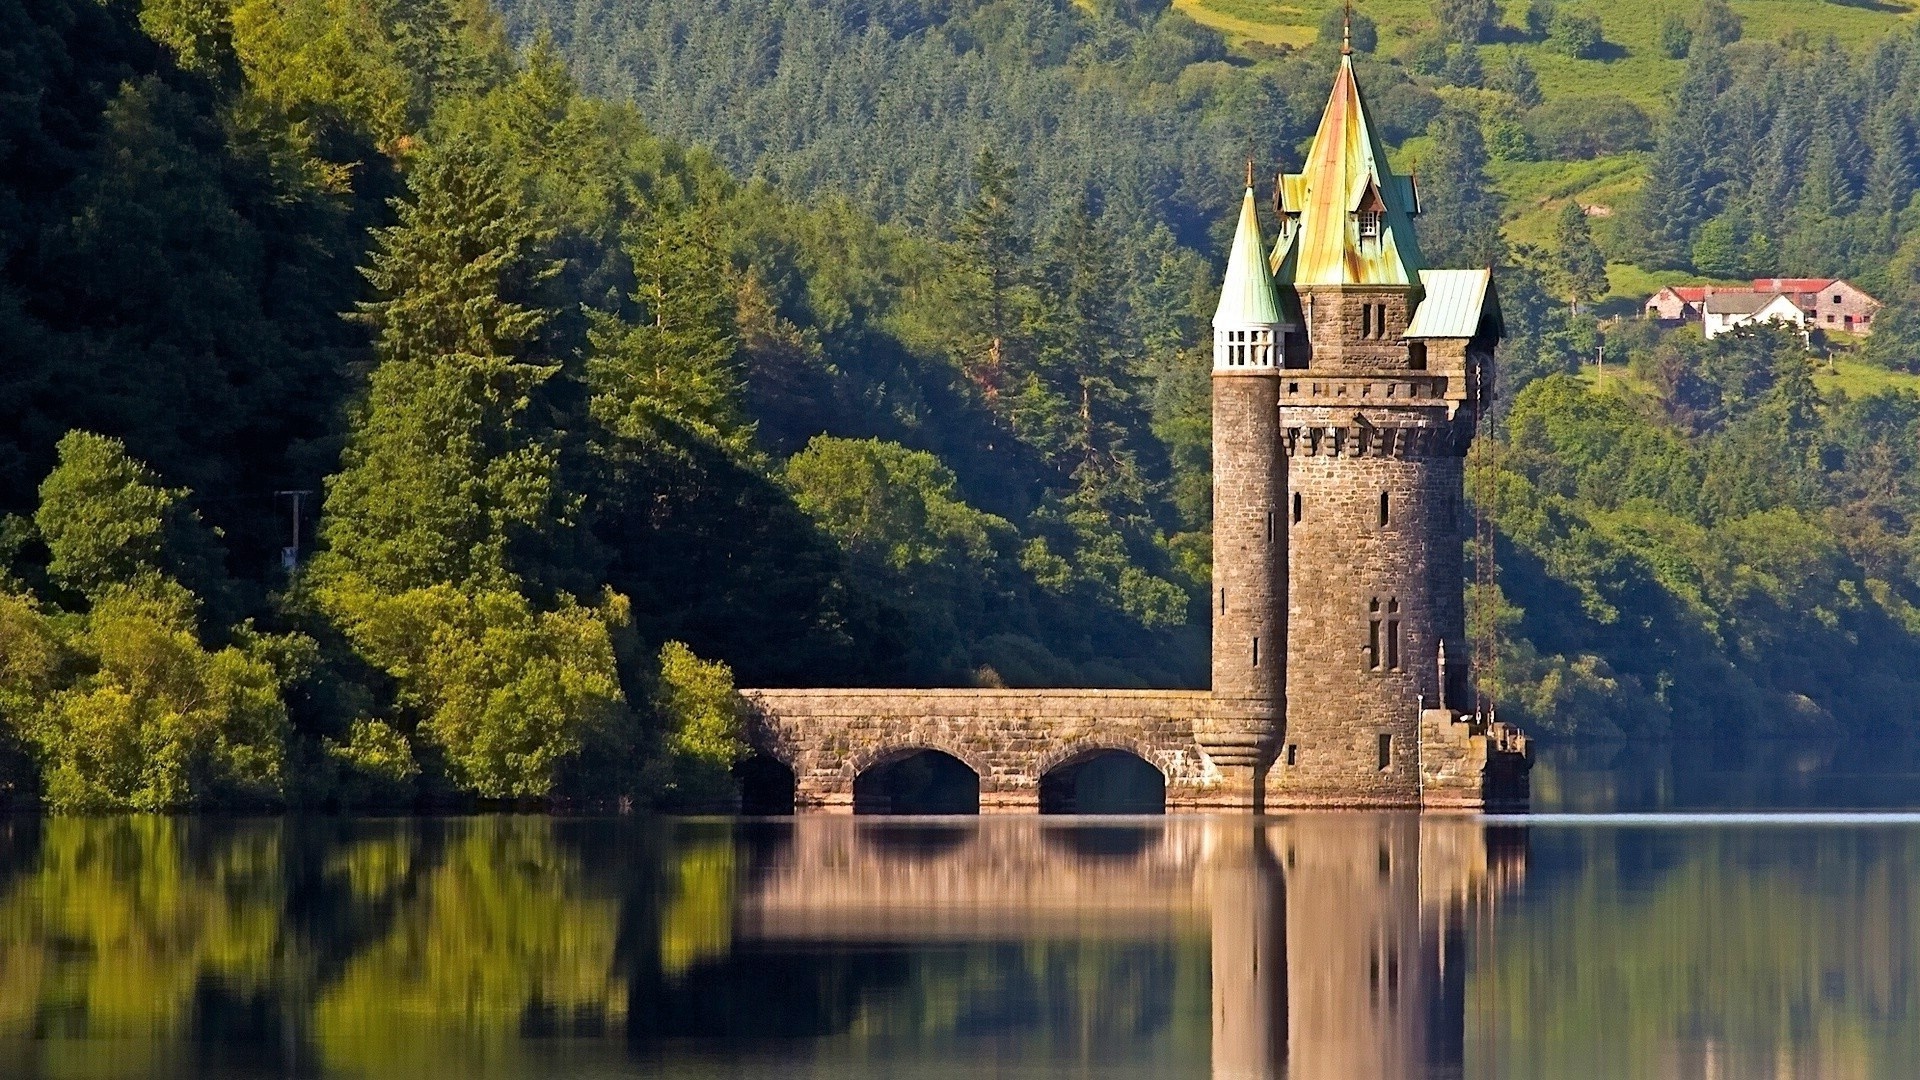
[(1247, 324), (1249, 527)]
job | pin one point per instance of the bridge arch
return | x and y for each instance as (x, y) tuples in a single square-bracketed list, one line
[(1105, 776), (915, 779)]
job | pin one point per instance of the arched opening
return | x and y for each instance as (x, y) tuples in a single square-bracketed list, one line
[(917, 782), (766, 786), (1104, 782)]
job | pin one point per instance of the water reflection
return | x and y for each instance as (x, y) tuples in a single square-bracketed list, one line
[(1311, 948)]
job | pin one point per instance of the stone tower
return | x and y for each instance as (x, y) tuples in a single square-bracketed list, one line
[(1377, 403), (1249, 530)]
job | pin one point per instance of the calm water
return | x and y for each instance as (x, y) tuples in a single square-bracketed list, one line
[(1321, 946)]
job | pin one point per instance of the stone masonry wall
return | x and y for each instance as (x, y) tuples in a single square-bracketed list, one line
[(1009, 738), (1249, 576)]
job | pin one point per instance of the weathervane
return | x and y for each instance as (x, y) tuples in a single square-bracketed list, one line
[(1346, 30)]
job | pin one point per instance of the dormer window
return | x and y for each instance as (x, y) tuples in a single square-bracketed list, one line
[(1370, 224)]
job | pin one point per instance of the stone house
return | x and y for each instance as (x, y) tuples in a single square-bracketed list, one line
[(1830, 303)]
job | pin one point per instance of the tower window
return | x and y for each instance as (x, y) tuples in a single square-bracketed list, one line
[(1256, 652), (1385, 511), (1293, 754), (1393, 635), (1386, 751), (1379, 320), (1417, 356), (1296, 508), (1369, 224), (1373, 635), (1223, 601), (1366, 320), (1269, 526)]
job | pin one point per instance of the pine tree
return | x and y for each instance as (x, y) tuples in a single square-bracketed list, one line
[(1583, 269), (443, 469), (1460, 215), (674, 371), (988, 261)]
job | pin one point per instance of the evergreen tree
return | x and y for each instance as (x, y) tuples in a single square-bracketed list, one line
[(673, 372), (1460, 215), (1516, 77), (1583, 269), (988, 260), (444, 471)]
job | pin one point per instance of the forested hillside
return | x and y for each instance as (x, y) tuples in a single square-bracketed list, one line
[(592, 427), (1716, 539), (821, 343)]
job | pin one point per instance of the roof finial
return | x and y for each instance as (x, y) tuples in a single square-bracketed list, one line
[(1346, 30), (1249, 170)]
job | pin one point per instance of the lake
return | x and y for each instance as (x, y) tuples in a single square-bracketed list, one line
[(1622, 931)]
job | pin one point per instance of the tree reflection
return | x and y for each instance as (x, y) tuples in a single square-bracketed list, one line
[(1317, 946)]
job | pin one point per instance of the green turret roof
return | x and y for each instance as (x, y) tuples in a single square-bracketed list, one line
[(1247, 296)]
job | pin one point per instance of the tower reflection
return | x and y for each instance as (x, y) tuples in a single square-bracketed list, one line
[(1338, 943)]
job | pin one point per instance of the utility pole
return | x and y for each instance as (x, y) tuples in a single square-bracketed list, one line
[(290, 554)]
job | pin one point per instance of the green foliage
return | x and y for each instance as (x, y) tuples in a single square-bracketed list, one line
[(1578, 36), (107, 521), (509, 696), (1583, 269), (441, 476), (1460, 215), (1589, 128), (1516, 77), (700, 716), (1676, 35), (376, 764), (673, 366), (1716, 24), (1340, 24), (1466, 22)]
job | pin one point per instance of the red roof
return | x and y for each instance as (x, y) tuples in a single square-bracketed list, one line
[(1791, 284), (1692, 294)]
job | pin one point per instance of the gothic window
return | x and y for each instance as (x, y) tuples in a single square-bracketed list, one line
[(1393, 635), (1373, 634)]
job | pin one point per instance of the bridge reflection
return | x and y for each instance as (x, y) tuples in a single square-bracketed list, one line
[(1337, 942)]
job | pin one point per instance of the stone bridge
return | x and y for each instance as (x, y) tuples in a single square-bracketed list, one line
[(1013, 740)]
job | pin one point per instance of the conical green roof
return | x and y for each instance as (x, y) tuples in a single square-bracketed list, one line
[(1247, 296)]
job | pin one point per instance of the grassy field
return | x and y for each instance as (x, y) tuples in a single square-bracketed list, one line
[(1858, 379), (1634, 68)]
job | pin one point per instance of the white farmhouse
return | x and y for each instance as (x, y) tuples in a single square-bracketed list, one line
[(1723, 311)]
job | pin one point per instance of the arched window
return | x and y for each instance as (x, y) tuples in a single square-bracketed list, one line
[(1393, 635), (1373, 634)]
